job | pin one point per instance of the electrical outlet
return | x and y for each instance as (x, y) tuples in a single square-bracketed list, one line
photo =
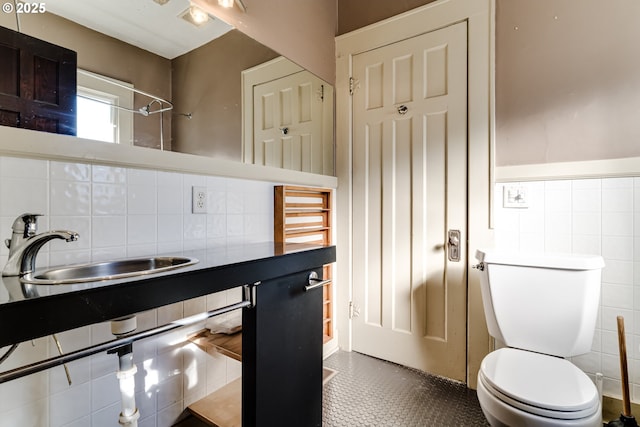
[(198, 200)]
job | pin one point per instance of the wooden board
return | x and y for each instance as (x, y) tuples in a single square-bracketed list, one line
[(228, 345), (222, 408)]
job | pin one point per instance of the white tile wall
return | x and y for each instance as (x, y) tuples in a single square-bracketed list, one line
[(595, 216), (122, 212)]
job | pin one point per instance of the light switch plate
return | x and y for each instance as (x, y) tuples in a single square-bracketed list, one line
[(515, 196)]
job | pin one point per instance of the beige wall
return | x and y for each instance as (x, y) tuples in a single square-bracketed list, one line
[(301, 30), (110, 57), (206, 83), (354, 14), (567, 80), (567, 76)]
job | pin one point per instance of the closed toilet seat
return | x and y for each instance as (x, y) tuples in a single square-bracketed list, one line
[(541, 385)]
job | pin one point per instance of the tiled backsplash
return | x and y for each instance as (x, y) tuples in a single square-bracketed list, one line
[(593, 216), (123, 212)]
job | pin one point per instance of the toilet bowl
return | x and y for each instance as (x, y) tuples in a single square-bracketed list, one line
[(522, 388), (544, 309)]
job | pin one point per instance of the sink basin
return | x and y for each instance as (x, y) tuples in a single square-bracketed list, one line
[(107, 270)]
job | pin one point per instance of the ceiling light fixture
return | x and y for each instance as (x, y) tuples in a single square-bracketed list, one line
[(198, 15), (230, 3)]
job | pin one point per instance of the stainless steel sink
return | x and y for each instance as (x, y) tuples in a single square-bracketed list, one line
[(107, 270)]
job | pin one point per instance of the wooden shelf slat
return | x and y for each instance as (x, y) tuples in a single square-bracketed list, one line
[(306, 231), (229, 345), (292, 212), (222, 408)]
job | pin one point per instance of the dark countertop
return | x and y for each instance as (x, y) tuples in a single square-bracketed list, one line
[(32, 311)]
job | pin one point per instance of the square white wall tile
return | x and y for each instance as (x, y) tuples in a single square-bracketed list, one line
[(170, 228), (141, 250), (619, 272), (625, 182), (109, 231), (105, 417), (77, 172), (105, 391), (617, 199), (142, 177), (109, 199), (16, 167), (619, 248), (617, 223), (25, 194), (587, 223), (141, 229), (141, 200), (588, 245), (32, 414), (70, 198), (108, 174), (617, 296), (558, 200), (168, 416), (586, 200), (170, 193)]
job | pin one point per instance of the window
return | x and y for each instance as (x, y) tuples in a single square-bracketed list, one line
[(98, 115), (96, 118)]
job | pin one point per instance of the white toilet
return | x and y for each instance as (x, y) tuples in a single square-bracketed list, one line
[(543, 308)]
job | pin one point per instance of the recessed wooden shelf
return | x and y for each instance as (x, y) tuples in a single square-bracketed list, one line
[(303, 214), (222, 408), (228, 345)]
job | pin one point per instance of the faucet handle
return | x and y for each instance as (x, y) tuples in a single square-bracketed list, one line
[(27, 224)]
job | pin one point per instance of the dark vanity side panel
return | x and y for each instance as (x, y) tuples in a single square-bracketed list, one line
[(282, 354)]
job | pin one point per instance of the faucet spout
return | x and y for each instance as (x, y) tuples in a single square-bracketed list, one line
[(23, 248)]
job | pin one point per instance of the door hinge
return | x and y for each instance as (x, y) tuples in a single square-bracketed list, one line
[(351, 85)]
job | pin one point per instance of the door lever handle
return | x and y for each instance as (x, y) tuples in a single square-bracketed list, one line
[(315, 282)]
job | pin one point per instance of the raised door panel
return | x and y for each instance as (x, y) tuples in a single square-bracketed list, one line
[(37, 84)]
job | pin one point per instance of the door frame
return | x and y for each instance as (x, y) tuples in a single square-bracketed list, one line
[(479, 15), (269, 71)]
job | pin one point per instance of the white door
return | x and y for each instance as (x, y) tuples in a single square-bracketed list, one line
[(409, 191), (290, 124)]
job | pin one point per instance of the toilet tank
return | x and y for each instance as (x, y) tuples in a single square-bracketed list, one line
[(547, 303)]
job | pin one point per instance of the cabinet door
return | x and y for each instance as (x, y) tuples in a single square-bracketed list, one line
[(37, 84), (282, 354)]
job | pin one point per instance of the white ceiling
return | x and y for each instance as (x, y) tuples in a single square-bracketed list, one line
[(143, 23)]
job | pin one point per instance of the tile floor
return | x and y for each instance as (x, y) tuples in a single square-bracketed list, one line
[(372, 392)]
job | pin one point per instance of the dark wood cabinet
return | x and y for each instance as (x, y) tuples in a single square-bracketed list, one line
[(282, 354), (38, 84)]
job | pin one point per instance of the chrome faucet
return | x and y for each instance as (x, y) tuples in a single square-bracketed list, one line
[(25, 244)]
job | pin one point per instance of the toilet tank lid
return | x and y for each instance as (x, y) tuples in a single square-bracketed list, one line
[(544, 260)]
